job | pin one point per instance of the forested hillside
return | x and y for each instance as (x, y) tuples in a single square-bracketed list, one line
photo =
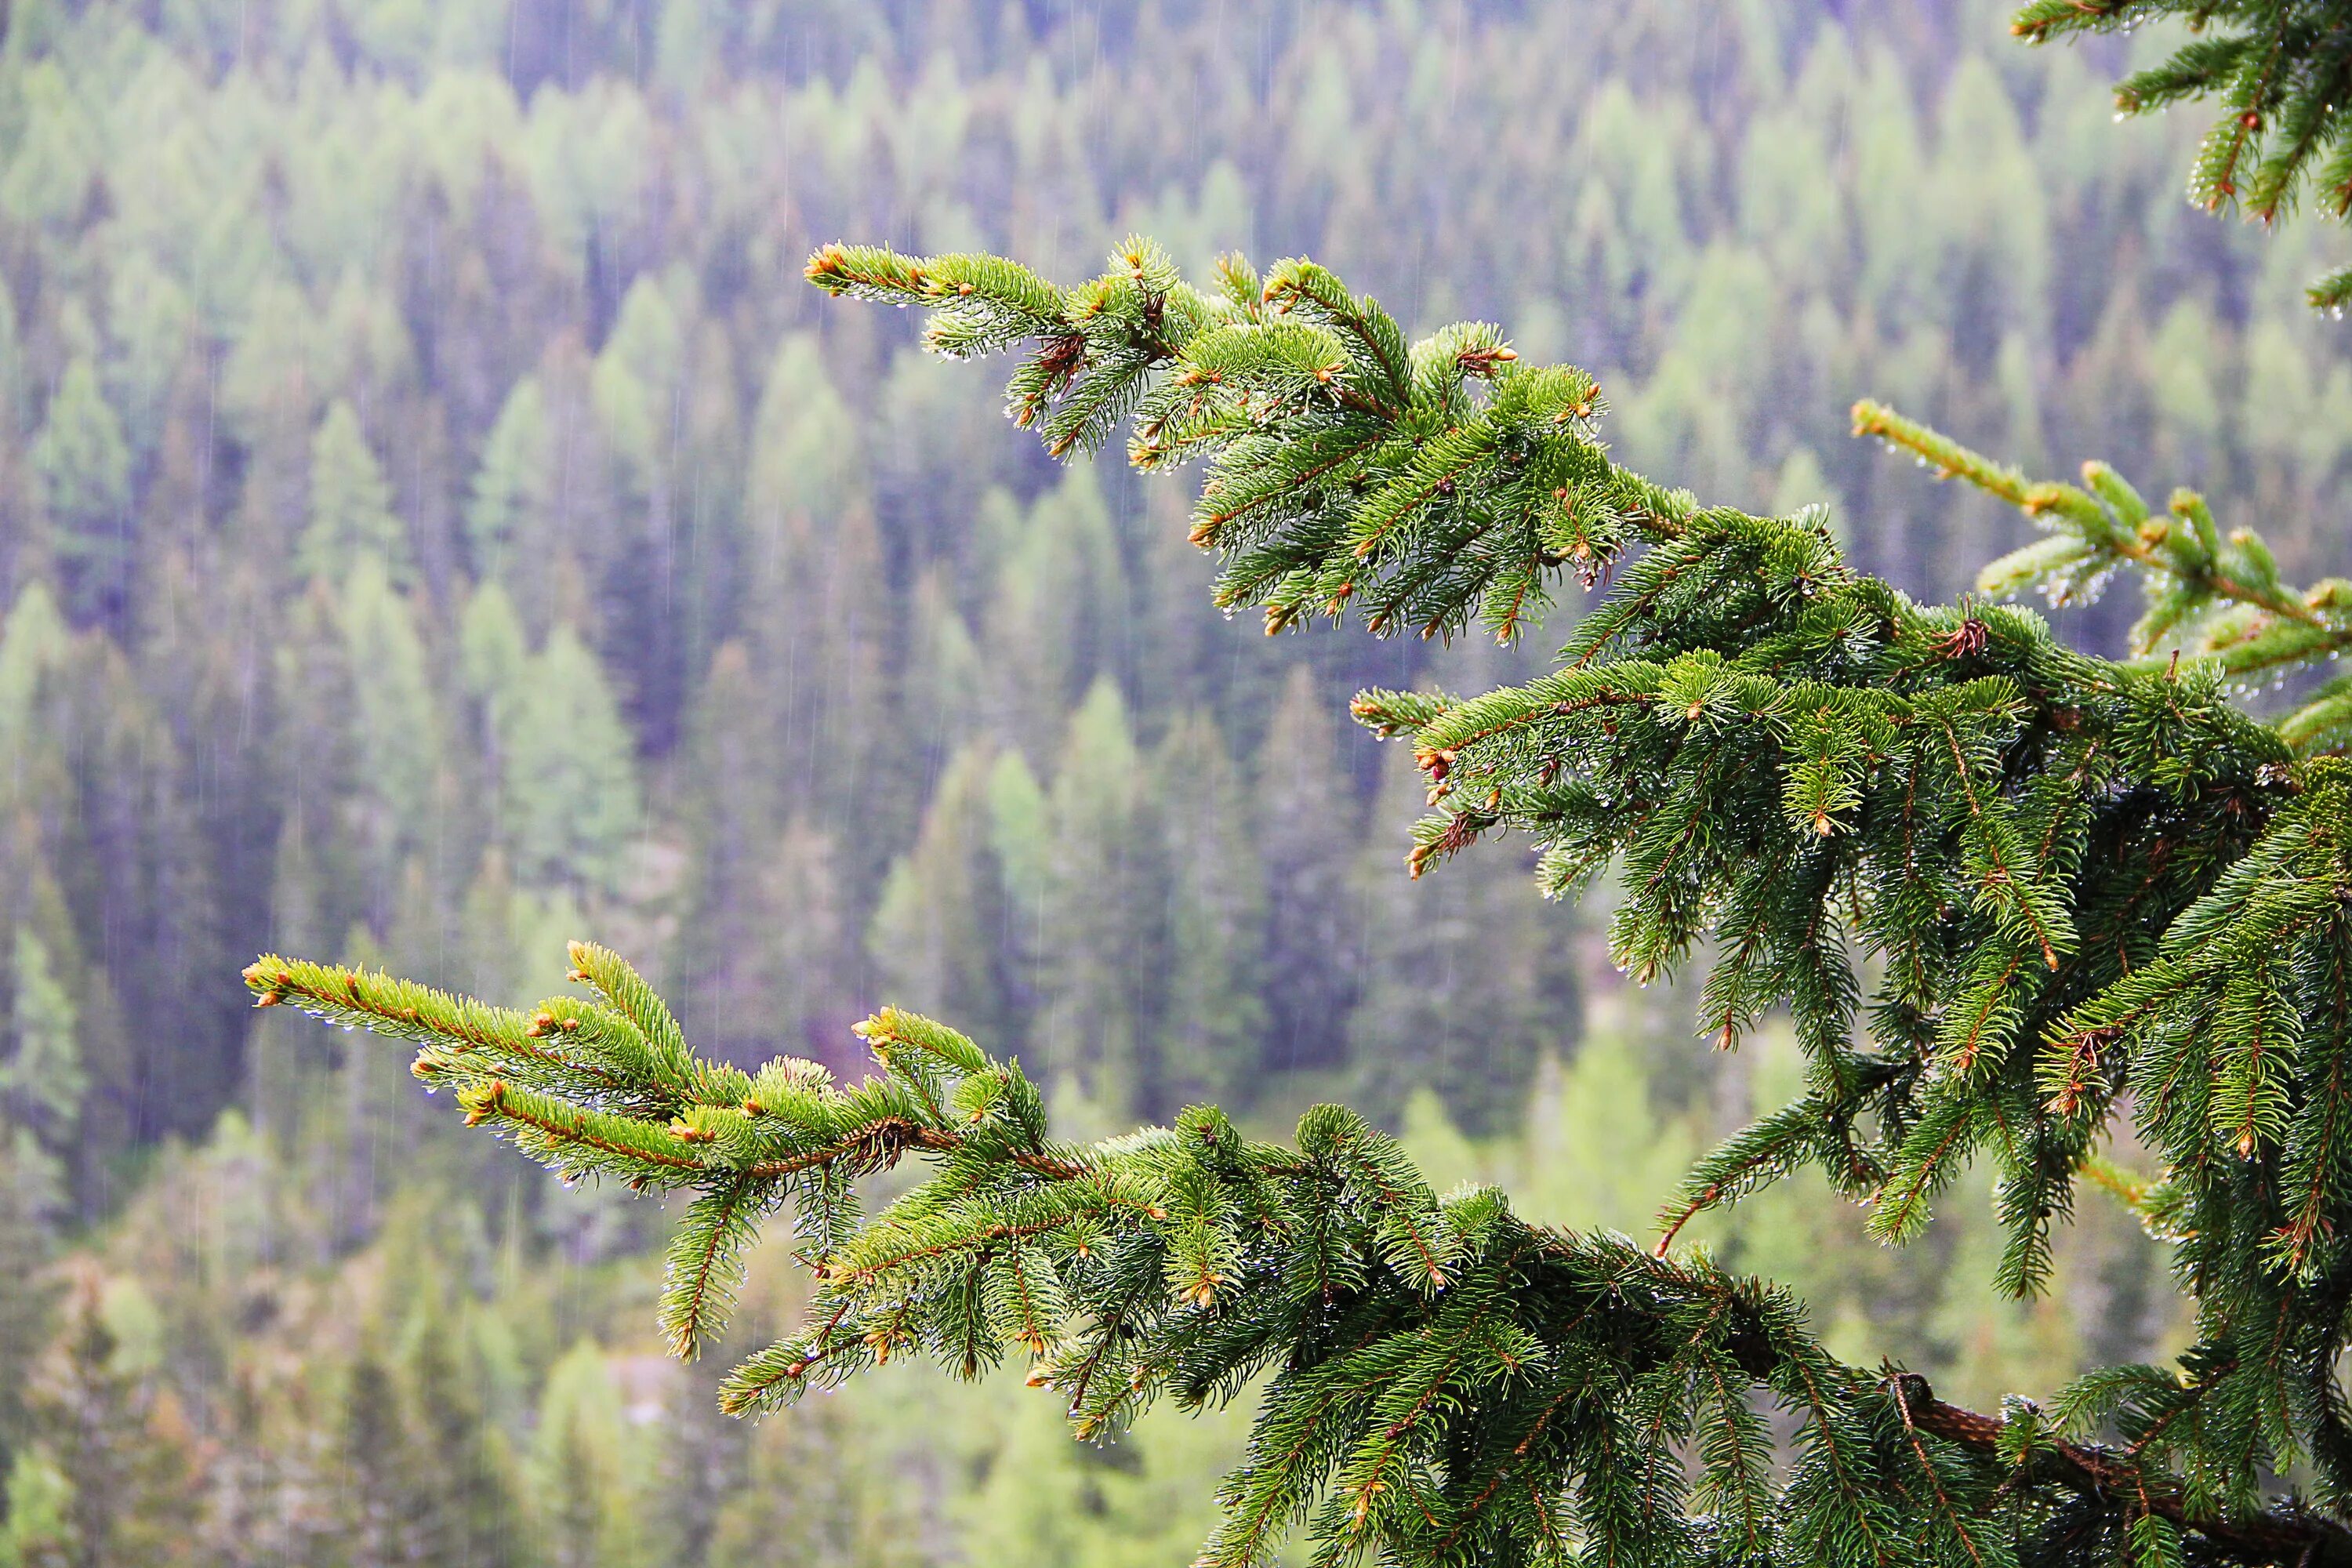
[(411, 416)]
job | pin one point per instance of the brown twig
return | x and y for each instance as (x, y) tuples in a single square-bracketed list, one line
[(2280, 1536)]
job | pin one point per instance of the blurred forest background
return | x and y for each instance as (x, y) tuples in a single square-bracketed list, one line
[(436, 522)]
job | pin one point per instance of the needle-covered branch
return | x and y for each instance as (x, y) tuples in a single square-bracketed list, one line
[(1439, 1381), (1417, 482), (2219, 598), (2280, 71), (2004, 890)]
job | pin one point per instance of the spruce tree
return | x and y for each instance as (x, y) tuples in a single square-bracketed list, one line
[(1213, 1014), (570, 802), (82, 460), (2010, 896), (113, 1458), (938, 935), (508, 505), (352, 518), (1308, 832)]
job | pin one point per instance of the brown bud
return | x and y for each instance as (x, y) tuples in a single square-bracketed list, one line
[(268, 999), (482, 1103)]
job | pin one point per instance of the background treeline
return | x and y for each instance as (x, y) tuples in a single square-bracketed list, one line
[(435, 521)]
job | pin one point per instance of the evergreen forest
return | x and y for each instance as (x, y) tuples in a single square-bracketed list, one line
[(436, 523)]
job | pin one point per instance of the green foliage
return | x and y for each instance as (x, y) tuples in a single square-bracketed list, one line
[(239, 218), (937, 933), (1454, 964), (110, 1475), (1213, 1014), (2219, 598), (2071, 874), (350, 504), (507, 509), (584, 1459), (1096, 916), (395, 730), (43, 1077), (559, 364), (2279, 70), (571, 801), (84, 465)]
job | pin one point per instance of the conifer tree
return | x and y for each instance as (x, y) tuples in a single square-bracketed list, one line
[(113, 1452), (587, 1515), (468, 1510), (352, 518), (378, 1518), (41, 1079), (1308, 833), (508, 506), (1212, 1013), (2009, 895), (83, 462), (1465, 983), (572, 803), (1099, 910), (939, 932)]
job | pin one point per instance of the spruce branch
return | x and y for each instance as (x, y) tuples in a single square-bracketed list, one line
[(2217, 598), (1448, 1382), (2006, 891), (2278, 70)]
